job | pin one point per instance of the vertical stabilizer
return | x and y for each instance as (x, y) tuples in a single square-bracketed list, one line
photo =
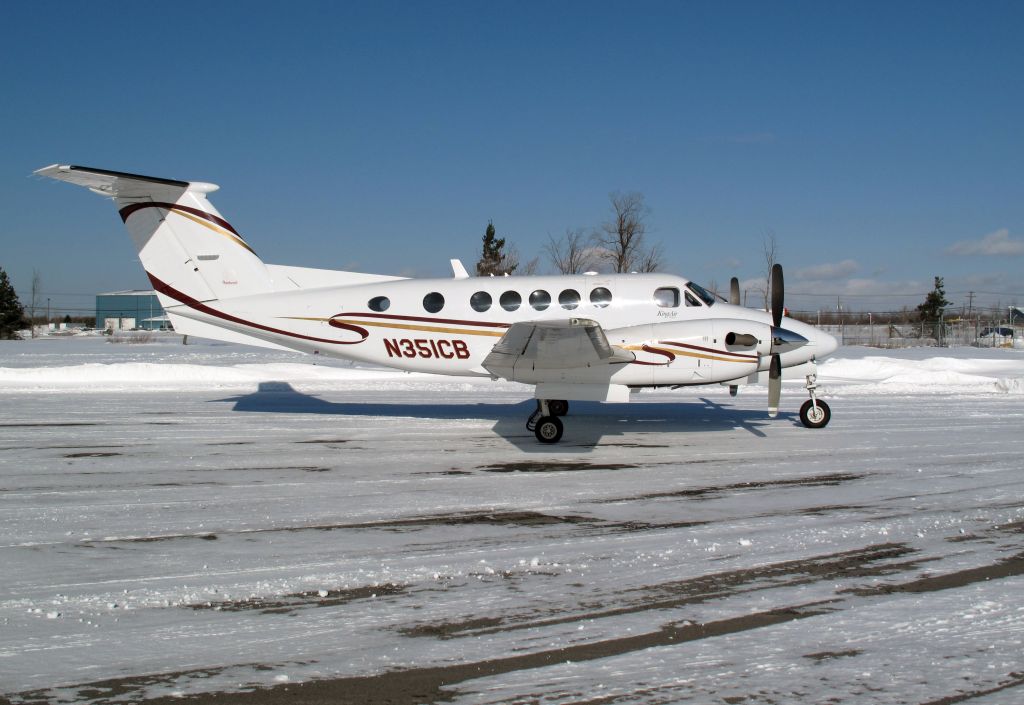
[(186, 247)]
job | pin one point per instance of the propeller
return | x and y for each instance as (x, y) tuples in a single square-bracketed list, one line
[(778, 340), (782, 340)]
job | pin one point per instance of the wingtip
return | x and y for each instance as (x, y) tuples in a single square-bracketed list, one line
[(47, 170)]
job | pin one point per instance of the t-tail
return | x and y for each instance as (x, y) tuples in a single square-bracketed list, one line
[(190, 253)]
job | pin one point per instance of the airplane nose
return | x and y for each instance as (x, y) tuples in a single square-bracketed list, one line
[(824, 344)]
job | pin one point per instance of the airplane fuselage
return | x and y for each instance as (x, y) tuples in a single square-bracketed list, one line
[(449, 326)]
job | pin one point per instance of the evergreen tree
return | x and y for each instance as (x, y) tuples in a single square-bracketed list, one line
[(935, 304), (12, 316), (494, 260)]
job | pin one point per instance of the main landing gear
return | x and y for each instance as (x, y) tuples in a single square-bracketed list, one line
[(814, 413), (544, 421)]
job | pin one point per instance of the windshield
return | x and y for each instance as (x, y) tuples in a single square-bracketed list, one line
[(703, 294)]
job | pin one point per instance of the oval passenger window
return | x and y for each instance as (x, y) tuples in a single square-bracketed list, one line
[(600, 297), (569, 299), (433, 302), (379, 303), (540, 299), (480, 301), (510, 300)]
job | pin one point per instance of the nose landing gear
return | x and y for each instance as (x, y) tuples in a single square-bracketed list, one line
[(814, 413)]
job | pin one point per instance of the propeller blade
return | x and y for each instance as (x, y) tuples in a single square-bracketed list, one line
[(778, 294), (774, 386), (734, 291)]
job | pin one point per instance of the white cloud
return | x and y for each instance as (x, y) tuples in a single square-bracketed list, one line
[(827, 271), (994, 244)]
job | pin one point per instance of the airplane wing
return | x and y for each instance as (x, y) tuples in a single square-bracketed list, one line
[(553, 345)]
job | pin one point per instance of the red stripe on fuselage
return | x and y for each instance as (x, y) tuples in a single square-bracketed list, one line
[(197, 305)]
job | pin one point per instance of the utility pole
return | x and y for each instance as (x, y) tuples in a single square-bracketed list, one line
[(970, 308)]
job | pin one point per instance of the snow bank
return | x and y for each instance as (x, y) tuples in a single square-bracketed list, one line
[(145, 375), (1014, 385), (88, 365), (954, 371)]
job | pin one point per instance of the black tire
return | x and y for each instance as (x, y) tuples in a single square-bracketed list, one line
[(815, 420), (549, 429), (558, 407)]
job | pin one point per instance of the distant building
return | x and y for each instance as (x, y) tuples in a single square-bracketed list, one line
[(130, 310), (1016, 316)]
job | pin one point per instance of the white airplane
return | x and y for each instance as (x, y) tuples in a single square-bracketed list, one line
[(590, 337)]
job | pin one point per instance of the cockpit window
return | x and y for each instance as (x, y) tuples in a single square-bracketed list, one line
[(666, 297), (703, 294), (691, 300)]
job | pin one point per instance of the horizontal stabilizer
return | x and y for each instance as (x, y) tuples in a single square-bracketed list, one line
[(120, 184)]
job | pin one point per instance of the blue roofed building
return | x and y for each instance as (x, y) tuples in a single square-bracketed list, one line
[(130, 310)]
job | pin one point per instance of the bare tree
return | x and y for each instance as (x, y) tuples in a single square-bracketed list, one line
[(514, 264), (770, 248), (650, 260), (622, 238), (531, 267), (571, 253)]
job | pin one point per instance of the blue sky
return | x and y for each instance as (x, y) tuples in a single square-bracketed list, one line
[(882, 143)]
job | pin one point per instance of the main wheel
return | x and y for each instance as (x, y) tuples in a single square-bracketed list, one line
[(558, 407), (813, 416), (548, 429)]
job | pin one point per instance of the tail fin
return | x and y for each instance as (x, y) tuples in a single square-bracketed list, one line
[(186, 247)]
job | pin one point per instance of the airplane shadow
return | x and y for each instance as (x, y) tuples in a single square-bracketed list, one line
[(586, 426)]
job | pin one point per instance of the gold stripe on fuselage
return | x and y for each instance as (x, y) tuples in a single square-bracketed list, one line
[(406, 326)]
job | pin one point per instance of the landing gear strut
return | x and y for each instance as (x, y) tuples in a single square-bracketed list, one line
[(814, 413), (544, 421)]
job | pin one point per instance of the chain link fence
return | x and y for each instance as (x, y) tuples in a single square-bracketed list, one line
[(916, 334)]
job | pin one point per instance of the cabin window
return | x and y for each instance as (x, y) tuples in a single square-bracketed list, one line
[(433, 302), (569, 299), (666, 297), (510, 300), (540, 299), (379, 303), (600, 297), (480, 301)]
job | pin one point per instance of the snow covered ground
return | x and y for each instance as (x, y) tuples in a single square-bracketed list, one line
[(180, 520)]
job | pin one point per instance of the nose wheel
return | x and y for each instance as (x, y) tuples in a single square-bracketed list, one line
[(814, 413)]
